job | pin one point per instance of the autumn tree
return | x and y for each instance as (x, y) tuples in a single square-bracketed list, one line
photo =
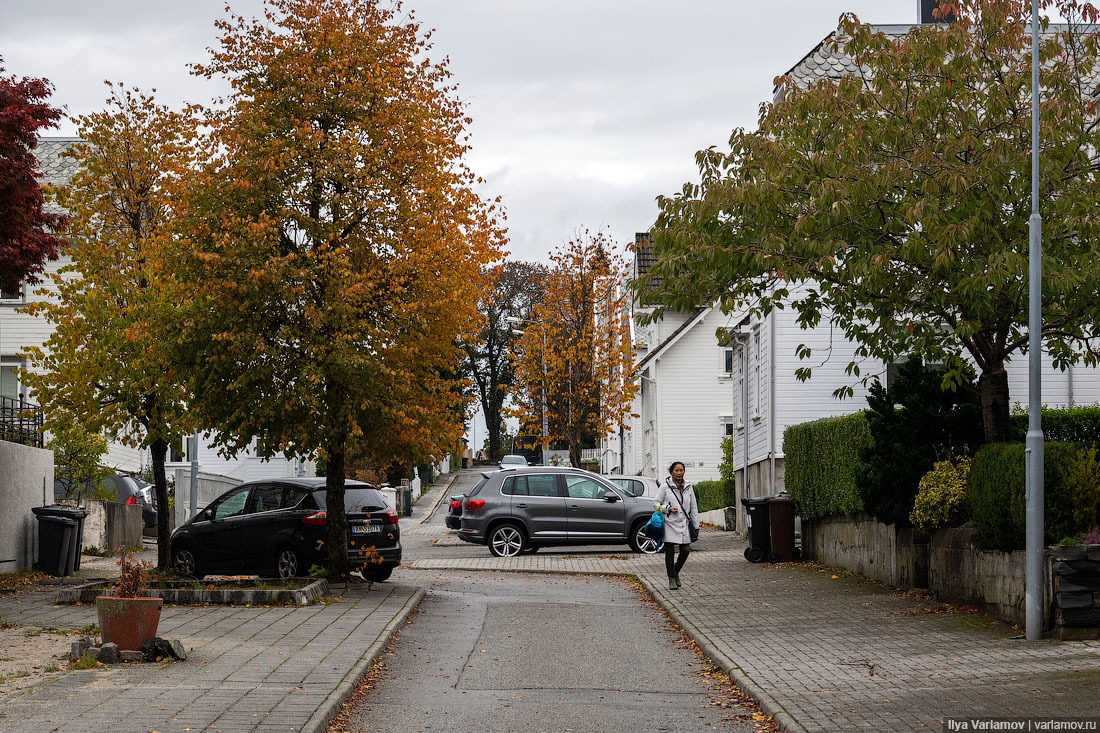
[(575, 349), (108, 363), (895, 201), (337, 242), (27, 238), (514, 289)]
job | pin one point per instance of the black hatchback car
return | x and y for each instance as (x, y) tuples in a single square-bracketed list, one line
[(279, 528)]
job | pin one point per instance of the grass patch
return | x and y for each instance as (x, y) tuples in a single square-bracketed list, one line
[(14, 676), (86, 661), (94, 551), (51, 667)]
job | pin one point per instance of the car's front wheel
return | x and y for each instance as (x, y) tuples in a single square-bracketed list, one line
[(377, 574), (640, 542), (183, 560), (506, 540), (286, 563)]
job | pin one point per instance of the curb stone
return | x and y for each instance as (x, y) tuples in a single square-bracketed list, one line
[(318, 722), (766, 702)]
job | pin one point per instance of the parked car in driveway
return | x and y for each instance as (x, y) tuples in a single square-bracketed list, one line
[(128, 491), (512, 460), (453, 520), (279, 528), (517, 510), (637, 486)]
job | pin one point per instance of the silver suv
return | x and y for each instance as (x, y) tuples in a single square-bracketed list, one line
[(518, 510)]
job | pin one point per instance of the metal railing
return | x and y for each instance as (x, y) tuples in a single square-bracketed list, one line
[(20, 422)]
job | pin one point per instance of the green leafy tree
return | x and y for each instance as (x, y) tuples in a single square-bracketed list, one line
[(337, 243), (109, 361), (77, 457), (894, 202)]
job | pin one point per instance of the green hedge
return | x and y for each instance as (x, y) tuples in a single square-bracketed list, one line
[(995, 490), (821, 462), (713, 495), (1067, 424)]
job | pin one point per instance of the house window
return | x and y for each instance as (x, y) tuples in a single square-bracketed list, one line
[(728, 428), (8, 297), (756, 372), (740, 371), (9, 378), (727, 357)]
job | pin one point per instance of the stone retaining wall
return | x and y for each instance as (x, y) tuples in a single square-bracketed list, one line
[(112, 524)]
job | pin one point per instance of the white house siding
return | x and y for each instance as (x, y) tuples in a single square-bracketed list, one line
[(695, 400)]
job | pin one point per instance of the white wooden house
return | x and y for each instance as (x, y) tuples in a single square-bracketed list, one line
[(20, 330)]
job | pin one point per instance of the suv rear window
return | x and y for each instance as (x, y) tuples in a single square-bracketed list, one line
[(477, 487)]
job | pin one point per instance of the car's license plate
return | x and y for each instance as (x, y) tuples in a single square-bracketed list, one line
[(366, 528)]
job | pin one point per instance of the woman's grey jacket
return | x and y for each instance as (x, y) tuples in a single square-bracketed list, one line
[(668, 496)]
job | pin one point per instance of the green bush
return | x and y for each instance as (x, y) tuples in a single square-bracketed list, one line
[(912, 425), (1063, 424), (821, 462), (995, 491), (713, 495), (725, 468), (1083, 486), (941, 496)]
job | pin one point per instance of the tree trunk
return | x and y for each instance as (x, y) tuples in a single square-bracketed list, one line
[(996, 421), (338, 564), (159, 450), (492, 422)]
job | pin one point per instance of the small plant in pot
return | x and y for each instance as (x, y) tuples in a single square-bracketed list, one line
[(127, 618)]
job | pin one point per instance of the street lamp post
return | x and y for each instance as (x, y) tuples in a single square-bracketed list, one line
[(545, 432), (1033, 554)]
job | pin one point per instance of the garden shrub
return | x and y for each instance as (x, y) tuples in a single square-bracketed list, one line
[(1083, 487), (1079, 424), (821, 461), (941, 496), (713, 495), (995, 491), (912, 425)]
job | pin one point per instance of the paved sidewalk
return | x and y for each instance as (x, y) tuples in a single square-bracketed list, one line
[(825, 653), (274, 669)]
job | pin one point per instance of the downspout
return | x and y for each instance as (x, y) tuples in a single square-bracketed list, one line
[(771, 403), (1069, 378)]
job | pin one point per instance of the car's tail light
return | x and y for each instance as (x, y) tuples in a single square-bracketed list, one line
[(131, 500), (317, 519), (474, 503), (391, 516), (455, 503)]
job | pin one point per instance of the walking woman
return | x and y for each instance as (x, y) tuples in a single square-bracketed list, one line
[(676, 500)]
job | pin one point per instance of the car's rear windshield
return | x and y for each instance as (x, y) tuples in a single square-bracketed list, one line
[(356, 499), (477, 487)]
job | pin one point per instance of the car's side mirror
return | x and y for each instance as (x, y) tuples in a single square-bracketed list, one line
[(611, 497)]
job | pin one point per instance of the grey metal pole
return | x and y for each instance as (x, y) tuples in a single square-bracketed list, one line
[(194, 451), (1033, 591), (545, 431)]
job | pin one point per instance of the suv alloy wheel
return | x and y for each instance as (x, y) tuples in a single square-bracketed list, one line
[(506, 540)]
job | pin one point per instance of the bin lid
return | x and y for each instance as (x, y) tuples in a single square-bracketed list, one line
[(53, 519), (58, 510), (754, 500), (781, 500)]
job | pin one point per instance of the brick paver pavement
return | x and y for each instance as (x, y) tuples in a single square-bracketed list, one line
[(250, 669), (826, 653)]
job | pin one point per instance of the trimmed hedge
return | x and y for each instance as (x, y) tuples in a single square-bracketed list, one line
[(995, 490), (821, 462), (1067, 424), (713, 495)]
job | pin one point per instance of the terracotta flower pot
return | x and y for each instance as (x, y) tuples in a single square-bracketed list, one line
[(128, 622)]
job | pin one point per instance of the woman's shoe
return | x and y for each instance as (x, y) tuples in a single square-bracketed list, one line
[(672, 584), (676, 578)]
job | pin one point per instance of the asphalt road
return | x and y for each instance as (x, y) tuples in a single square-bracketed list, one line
[(529, 652)]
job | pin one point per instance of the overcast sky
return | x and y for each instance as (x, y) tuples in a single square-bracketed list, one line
[(584, 110)]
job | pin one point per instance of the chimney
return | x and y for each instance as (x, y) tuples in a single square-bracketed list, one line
[(926, 8)]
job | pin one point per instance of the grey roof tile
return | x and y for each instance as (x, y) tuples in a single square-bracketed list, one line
[(53, 168)]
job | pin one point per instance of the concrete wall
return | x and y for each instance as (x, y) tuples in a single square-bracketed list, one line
[(960, 572), (112, 524), (26, 480), (951, 564), (211, 486)]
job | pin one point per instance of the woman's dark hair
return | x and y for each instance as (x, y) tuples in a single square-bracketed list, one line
[(675, 464)]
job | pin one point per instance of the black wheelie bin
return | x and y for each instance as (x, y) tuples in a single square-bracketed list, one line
[(756, 511)]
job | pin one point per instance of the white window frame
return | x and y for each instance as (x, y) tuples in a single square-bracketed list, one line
[(739, 377), (726, 352), (10, 299), (17, 363), (757, 402)]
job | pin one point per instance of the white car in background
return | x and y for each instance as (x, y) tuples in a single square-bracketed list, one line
[(637, 486), (512, 460)]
